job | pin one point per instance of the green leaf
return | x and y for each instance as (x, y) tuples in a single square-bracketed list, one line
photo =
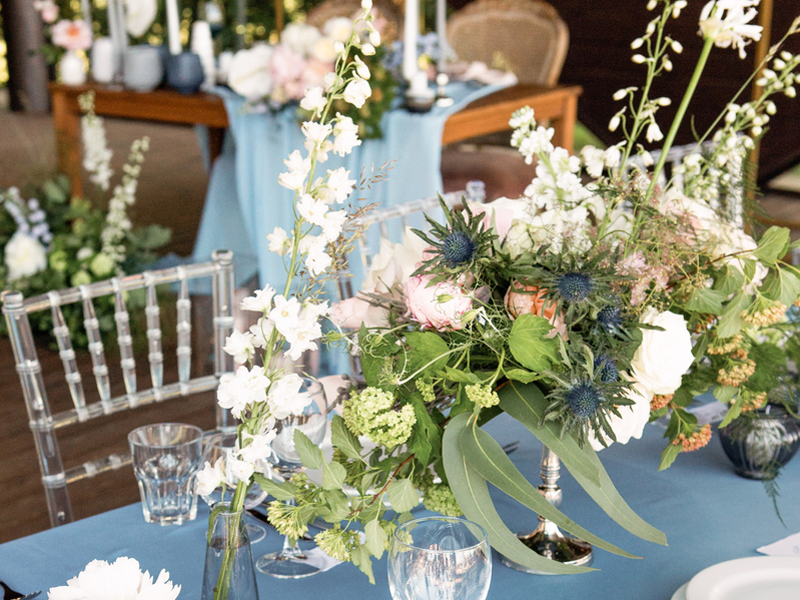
[(428, 351), (773, 245), (729, 280), (521, 375), (612, 503), (473, 497), (526, 403), (362, 558), (668, 456), (279, 491), (705, 300), (486, 456), (528, 343), (403, 496), (376, 538), (790, 287), (343, 439), (425, 436), (310, 454), (724, 393), (333, 475), (457, 376), (730, 323)]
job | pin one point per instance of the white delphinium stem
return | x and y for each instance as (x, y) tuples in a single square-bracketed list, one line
[(96, 154)]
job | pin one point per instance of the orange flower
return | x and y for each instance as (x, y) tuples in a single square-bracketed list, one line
[(529, 299)]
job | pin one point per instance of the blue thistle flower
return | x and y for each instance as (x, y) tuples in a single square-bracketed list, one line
[(606, 367), (583, 399), (458, 248), (575, 287), (610, 317)]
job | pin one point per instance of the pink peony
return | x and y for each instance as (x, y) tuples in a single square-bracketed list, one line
[(72, 35), (440, 306)]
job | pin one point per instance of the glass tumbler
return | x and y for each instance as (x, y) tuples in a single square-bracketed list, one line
[(440, 558)]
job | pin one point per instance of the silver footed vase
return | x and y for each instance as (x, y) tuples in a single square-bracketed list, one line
[(547, 539)]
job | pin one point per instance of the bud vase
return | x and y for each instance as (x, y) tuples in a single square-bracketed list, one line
[(229, 573)]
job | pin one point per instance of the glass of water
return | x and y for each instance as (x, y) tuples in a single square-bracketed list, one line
[(166, 458), (440, 558)]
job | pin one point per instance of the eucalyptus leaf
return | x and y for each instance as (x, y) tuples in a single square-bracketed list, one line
[(310, 455), (402, 494), (526, 403), (486, 456), (529, 345), (472, 495)]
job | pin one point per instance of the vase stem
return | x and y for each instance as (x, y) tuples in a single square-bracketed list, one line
[(547, 539)]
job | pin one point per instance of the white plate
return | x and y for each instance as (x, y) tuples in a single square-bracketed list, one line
[(755, 578), (680, 594)]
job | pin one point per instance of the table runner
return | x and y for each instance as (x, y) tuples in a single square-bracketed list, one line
[(709, 514)]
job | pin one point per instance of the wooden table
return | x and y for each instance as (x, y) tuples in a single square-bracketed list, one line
[(489, 114)]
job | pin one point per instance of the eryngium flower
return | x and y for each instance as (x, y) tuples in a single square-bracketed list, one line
[(583, 399), (575, 287), (458, 248)]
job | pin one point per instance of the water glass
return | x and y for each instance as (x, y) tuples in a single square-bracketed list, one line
[(166, 459), (440, 558)]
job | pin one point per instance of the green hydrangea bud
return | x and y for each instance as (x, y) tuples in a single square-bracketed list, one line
[(58, 260), (81, 278), (439, 498), (102, 265), (482, 395)]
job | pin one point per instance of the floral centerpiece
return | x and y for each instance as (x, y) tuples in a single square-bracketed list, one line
[(52, 241), (607, 296), (123, 578), (304, 58)]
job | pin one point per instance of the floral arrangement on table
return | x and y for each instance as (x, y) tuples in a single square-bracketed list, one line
[(276, 75), (51, 241), (123, 578), (583, 310)]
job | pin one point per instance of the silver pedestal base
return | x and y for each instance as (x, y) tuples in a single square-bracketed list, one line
[(555, 546)]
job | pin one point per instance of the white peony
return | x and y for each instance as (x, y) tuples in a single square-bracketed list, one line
[(25, 256), (139, 16), (249, 73), (630, 424), (120, 579), (663, 356)]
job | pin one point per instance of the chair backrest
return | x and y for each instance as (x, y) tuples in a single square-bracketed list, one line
[(390, 223), (44, 424), (526, 37), (387, 11)]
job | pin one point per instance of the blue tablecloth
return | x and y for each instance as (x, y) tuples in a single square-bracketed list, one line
[(244, 201), (709, 514)]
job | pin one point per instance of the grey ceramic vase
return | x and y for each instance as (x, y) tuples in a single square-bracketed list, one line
[(143, 70), (758, 447), (185, 72)]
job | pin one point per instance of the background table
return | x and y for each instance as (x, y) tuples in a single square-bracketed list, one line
[(709, 515)]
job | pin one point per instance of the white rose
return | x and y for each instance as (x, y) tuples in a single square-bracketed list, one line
[(663, 356), (249, 73), (632, 419), (25, 256), (300, 37), (139, 15)]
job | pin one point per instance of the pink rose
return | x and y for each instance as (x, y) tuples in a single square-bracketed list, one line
[(286, 65), (354, 312), (72, 35), (439, 306)]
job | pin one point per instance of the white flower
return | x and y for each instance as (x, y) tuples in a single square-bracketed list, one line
[(299, 169), (333, 224), (654, 132), (139, 15), (312, 209), (340, 184), (242, 470), (210, 477), (318, 259), (726, 22), (630, 424), (663, 356), (316, 132), (361, 68), (260, 446), (345, 134), (314, 100), (25, 256), (249, 74), (285, 398), (238, 390), (338, 28), (324, 50), (279, 242), (260, 301), (261, 331), (357, 91), (240, 346), (594, 160), (121, 579), (300, 37)]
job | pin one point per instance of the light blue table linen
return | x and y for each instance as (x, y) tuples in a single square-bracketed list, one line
[(709, 514)]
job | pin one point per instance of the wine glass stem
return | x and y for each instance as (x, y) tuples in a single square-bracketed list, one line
[(289, 550)]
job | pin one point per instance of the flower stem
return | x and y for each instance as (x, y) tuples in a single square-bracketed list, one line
[(226, 569), (676, 123)]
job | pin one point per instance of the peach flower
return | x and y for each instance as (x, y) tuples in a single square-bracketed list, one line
[(72, 35)]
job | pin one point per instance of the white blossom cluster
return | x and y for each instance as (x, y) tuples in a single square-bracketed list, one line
[(96, 154), (29, 216), (727, 23), (117, 222)]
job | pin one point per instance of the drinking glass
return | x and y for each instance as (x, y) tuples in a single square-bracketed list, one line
[(222, 445), (166, 458), (439, 558), (292, 562)]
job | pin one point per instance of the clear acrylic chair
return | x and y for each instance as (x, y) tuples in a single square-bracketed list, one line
[(45, 425)]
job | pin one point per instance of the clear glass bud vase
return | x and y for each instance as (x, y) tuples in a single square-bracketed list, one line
[(229, 573)]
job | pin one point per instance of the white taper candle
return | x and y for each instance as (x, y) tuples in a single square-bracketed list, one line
[(410, 33), (174, 27)]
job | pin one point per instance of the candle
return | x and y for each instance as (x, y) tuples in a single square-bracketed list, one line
[(121, 27), (441, 20), (241, 22), (410, 31), (114, 34), (86, 11), (173, 27), (419, 86)]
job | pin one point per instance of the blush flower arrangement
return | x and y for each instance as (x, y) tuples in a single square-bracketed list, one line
[(607, 296)]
